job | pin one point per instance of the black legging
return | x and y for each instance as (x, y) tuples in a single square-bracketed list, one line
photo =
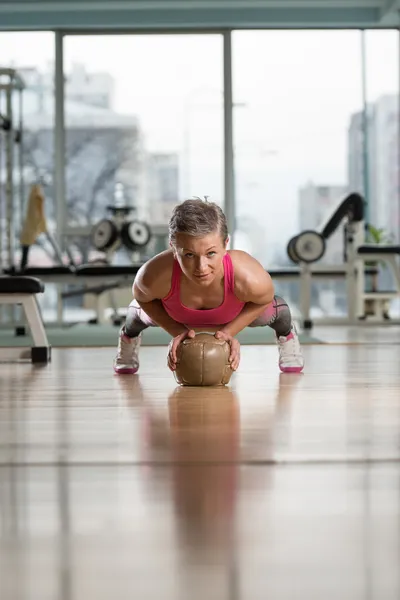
[(277, 316)]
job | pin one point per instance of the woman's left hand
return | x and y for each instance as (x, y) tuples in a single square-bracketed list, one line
[(234, 357)]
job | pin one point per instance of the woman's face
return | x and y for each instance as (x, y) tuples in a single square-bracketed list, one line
[(200, 258)]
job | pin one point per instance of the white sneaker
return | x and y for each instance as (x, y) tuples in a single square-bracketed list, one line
[(127, 362), (290, 355)]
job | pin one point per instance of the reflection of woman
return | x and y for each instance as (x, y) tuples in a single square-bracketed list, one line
[(205, 434), (202, 444)]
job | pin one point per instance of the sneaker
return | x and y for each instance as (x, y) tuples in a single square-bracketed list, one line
[(127, 362), (290, 356)]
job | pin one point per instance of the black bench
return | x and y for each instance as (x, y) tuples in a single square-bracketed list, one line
[(379, 249), (23, 290)]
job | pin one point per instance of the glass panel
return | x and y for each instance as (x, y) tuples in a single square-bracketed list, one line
[(382, 91), (32, 133), (144, 117), (291, 141), (382, 84), (31, 54)]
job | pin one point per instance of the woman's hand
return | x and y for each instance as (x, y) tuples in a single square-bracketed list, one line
[(173, 345), (234, 357)]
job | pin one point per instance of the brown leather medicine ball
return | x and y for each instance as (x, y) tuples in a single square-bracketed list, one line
[(203, 360)]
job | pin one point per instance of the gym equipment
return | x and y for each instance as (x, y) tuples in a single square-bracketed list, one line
[(11, 167), (203, 361), (388, 254), (23, 291), (101, 279), (98, 278), (309, 246), (108, 236), (135, 234), (104, 235), (111, 234)]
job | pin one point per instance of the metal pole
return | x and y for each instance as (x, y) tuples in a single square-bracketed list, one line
[(229, 175), (398, 140), (59, 155), (365, 136), (10, 178), (59, 140), (21, 164), (2, 207)]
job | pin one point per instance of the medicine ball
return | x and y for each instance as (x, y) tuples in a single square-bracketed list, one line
[(203, 361)]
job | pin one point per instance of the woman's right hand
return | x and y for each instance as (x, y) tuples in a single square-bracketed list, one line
[(173, 345)]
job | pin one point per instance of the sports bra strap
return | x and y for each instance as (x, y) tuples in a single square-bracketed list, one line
[(175, 280), (229, 273)]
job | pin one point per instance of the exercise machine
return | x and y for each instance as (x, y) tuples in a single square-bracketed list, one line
[(11, 174), (309, 247), (97, 278)]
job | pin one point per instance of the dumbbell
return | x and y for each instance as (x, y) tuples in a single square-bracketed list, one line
[(133, 234)]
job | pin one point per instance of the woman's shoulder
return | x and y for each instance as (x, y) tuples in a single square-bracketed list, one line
[(247, 270), (162, 260), (156, 273)]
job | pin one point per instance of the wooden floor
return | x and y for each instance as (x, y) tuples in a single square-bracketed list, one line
[(282, 487)]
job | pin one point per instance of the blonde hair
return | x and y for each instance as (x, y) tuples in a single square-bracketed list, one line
[(198, 218)]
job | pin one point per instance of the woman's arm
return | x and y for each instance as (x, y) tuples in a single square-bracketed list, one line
[(249, 314), (146, 294), (155, 310), (253, 285)]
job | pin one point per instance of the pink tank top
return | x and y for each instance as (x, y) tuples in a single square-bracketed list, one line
[(209, 317)]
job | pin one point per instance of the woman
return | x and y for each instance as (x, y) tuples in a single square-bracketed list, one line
[(199, 284)]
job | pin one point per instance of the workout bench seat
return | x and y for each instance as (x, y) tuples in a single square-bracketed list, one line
[(23, 290)]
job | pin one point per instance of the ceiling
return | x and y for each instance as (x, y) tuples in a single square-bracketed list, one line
[(198, 14)]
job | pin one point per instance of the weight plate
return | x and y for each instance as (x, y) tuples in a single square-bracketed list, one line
[(309, 246), (135, 234), (290, 250), (104, 235)]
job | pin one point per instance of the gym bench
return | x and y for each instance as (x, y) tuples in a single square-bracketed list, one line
[(23, 291)]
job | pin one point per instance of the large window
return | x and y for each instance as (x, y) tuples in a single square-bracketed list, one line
[(291, 142), (144, 124), (144, 127)]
